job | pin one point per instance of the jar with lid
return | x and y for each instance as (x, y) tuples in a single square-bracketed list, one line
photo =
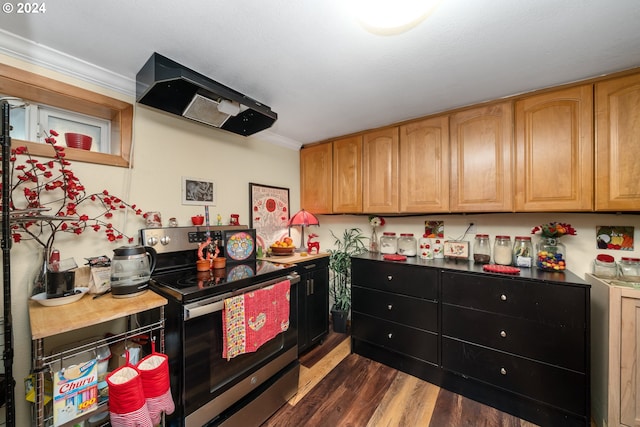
[(438, 249), (407, 244), (425, 246), (629, 269), (605, 266), (388, 243), (502, 251), (522, 251), (482, 249)]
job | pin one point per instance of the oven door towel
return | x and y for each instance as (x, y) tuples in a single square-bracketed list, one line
[(251, 319)]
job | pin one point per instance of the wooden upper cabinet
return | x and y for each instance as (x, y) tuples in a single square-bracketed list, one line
[(315, 178), (424, 166), (481, 159), (380, 171), (554, 151), (347, 175), (617, 161)]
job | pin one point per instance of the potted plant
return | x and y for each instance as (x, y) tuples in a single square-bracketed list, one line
[(349, 245)]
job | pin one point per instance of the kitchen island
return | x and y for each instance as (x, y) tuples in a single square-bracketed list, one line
[(519, 343)]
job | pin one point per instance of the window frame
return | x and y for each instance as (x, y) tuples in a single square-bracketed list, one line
[(43, 90)]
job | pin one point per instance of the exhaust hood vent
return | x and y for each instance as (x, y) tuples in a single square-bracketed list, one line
[(168, 86)]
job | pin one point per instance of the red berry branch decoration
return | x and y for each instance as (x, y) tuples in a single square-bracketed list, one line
[(46, 197)]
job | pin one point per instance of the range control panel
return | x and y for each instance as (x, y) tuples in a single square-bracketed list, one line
[(177, 239), (201, 236)]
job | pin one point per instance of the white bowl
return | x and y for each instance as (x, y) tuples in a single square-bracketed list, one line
[(51, 302)]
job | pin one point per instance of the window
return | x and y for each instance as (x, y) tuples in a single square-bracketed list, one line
[(51, 104)]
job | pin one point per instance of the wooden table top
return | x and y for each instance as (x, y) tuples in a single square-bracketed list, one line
[(48, 321)]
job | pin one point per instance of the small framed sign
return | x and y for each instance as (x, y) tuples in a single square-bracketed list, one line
[(458, 249), (198, 191)]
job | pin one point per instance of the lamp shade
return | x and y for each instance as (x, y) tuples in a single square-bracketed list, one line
[(303, 218)]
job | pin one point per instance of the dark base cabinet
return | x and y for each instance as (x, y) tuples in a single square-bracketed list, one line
[(313, 302), (516, 343)]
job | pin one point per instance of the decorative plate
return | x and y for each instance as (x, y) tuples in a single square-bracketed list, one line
[(240, 246), (504, 269), (52, 302)]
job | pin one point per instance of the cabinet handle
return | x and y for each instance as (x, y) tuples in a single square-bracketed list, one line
[(503, 334), (313, 286), (390, 335), (389, 278), (503, 371), (390, 306), (503, 297)]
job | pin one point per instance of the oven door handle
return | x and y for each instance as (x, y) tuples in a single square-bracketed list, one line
[(214, 304)]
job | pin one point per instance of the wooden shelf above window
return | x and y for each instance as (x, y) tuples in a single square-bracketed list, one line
[(43, 90)]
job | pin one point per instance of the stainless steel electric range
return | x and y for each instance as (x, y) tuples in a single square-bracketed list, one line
[(208, 389)]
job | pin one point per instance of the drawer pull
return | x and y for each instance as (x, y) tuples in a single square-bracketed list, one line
[(503, 334), (390, 306), (390, 335), (503, 371), (389, 278), (503, 297)]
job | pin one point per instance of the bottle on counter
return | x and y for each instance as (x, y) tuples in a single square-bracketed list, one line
[(407, 244), (438, 249), (388, 243), (522, 251), (502, 250), (482, 249)]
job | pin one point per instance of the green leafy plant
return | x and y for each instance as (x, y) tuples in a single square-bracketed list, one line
[(351, 244)]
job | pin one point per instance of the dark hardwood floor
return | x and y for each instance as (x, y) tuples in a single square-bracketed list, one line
[(338, 388)]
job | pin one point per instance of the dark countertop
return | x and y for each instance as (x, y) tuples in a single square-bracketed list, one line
[(566, 277)]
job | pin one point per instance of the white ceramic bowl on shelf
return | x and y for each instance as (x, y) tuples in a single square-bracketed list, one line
[(52, 302)]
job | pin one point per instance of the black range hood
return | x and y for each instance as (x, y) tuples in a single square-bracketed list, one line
[(168, 86)]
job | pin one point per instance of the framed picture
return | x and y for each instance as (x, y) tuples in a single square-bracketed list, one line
[(269, 213), (198, 191)]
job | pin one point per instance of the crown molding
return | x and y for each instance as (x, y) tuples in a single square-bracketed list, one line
[(37, 54)]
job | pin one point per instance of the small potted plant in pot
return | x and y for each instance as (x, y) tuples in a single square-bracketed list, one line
[(351, 244)]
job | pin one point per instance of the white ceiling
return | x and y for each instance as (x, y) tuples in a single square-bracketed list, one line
[(324, 75)]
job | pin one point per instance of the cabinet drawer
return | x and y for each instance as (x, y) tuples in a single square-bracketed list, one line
[(548, 343), (554, 304), (556, 386), (393, 336), (417, 281), (411, 311)]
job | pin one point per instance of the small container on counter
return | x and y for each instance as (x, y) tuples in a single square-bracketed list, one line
[(482, 249), (388, 243), (604, 266), (438, 249), (629, 269), (407, 244), (426, 247), (502, 250), (522, 252)]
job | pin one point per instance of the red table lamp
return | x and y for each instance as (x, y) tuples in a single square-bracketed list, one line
[(303, 219)]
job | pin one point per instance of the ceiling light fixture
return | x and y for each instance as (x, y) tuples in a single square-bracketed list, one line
[(390, 17)]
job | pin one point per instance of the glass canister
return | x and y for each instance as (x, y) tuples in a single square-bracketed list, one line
[(425, 246), (388, 243), (502, 250), (482, 249), (407, 244), (522, 251), (438, 248), (629, 269), (605, 266)]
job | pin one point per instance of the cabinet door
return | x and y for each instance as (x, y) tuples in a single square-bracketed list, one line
[(630, 363), (481, 159), (554, 151), (380, 167), (424, 166), (618, 144), (315, 178), (347, 175), (318, 304)]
